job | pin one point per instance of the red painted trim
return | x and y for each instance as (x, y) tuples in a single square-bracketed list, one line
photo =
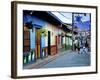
[(53, 49)]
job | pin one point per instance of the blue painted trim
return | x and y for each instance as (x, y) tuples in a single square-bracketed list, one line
[(32, 39), (36, 22)]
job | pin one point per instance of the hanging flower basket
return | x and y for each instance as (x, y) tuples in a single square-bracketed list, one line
[(43, 32)]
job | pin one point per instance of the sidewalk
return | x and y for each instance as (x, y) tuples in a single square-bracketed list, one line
[(42, 62)]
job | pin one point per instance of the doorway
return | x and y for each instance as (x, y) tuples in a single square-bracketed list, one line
[(49, 43), (37, 42)]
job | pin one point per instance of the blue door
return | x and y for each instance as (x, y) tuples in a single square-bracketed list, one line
[(32, 54)]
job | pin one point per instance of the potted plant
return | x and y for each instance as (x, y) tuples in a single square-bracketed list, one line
[(43, 32)]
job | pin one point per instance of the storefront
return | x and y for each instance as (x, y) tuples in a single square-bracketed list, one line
[(69, 41)]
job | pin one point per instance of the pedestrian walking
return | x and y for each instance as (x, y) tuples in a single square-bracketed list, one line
[(75, 45), (81, 49), (86, 47), (78, 46)]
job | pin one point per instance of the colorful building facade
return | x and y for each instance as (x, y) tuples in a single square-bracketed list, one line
[(44, 35)]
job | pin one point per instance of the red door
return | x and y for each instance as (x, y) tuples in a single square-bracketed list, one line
[(56, 41)]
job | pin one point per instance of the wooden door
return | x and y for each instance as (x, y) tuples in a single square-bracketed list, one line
[(37, 43)]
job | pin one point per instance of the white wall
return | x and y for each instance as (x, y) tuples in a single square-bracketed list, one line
[(51, 28), (5, 43), (54, 32)]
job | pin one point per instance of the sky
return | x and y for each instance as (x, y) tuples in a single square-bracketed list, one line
[(66, 17)]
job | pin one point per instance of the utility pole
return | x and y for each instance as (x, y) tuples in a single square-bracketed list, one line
[(72, 31)]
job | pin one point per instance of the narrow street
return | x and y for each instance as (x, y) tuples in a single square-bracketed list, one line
[(64, 59), (49, 43), (72, 59)]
